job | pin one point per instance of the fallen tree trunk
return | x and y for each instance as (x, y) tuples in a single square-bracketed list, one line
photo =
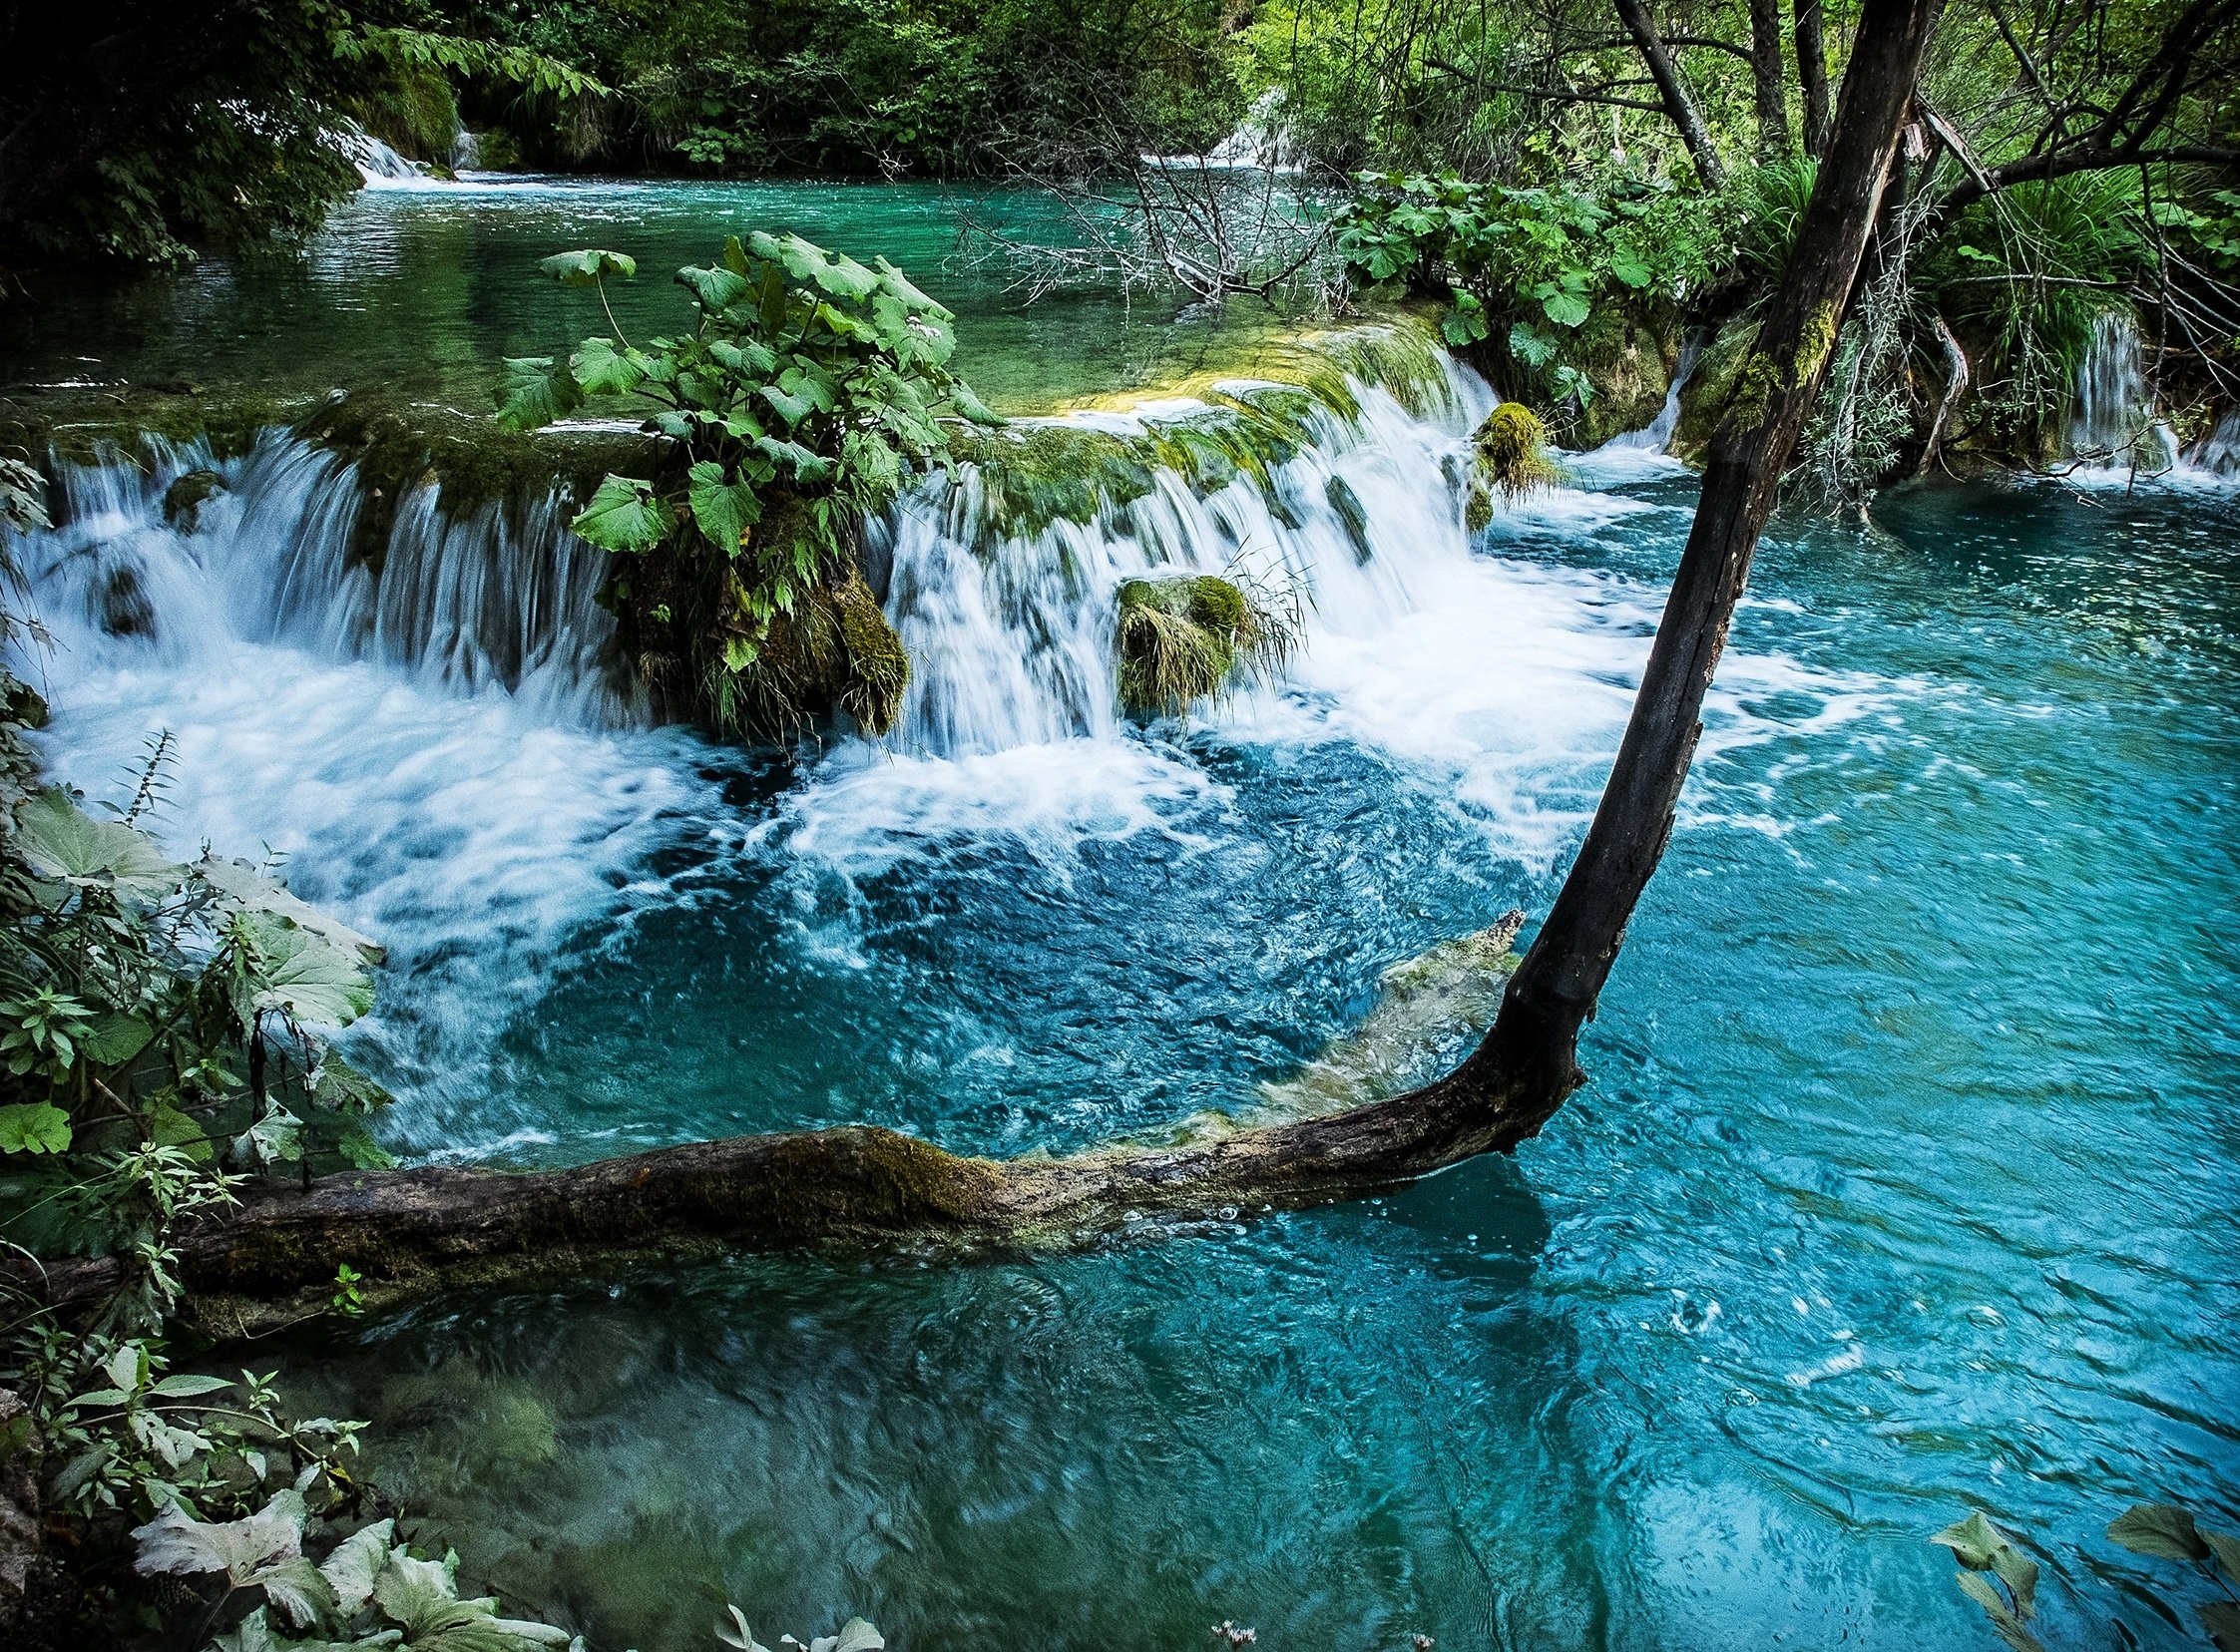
[(407, 1232)]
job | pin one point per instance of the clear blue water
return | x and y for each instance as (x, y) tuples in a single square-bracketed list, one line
[(421, 291), (1904, 1185)]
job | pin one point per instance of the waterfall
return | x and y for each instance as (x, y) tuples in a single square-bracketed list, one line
[(1011, 633), (500, 601), (378, 163), (1656, 435), (2113, 424)]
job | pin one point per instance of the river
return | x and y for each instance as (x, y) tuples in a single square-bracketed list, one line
[(1904, 1187)]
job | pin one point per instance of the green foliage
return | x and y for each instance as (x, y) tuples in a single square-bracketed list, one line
[(810, 389), (1510, 454), (2003, 1581), (161, 1035), (1528, 267)]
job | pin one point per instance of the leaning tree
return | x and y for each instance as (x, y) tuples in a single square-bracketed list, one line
[(276, 1256)]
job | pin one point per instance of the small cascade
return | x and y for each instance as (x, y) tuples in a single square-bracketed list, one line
[(500, 600), (1656, 435), (466, 149), (1010, 633), (2112, 425), (379, 163), (2218, 452)]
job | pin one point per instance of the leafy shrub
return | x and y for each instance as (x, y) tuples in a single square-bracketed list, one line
[(1510, 459), (1528, 268), (809, 391)]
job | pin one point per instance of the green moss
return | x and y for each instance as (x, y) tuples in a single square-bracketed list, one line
[(408, 106), (182, 500), (1353, 516), (1754, 389), (1181, 640), (1509, 460), (1812, 348)]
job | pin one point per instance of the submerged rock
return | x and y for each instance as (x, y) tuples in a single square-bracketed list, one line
[(183, 498)]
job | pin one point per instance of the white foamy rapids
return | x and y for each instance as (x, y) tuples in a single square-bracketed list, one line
[(380, 165), (433, 751), (1499, 686)]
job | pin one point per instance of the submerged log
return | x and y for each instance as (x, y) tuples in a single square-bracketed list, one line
[(411, 1232)]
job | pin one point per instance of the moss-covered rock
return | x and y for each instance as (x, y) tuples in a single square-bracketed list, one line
[(1184, 640), (1510, 459), (1710, 389), (185, 497)]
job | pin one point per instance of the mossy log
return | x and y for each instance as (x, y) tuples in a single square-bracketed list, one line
[(408, 1233)]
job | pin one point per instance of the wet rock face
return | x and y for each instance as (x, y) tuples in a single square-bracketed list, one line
[(183, 498), (19, 1508)]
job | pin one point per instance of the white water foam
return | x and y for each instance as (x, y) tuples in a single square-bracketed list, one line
[(431, 753)]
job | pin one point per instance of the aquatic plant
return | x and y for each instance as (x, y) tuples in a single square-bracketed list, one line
[(2000, 1578), (1184, 640), (810, 389), (1508, 458)]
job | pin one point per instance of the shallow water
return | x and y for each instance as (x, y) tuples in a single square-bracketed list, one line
[(1905, 1184), (421, 291)]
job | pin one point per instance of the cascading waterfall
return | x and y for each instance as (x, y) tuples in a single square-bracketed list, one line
[(1011, 637), (1656, 435), (2114, 422), (433, 736), (503, 598)]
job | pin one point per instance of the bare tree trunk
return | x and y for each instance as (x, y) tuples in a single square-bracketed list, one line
[(1532, 1047), (1769, 91), (1679, 104), (1812, 74), (412, 1231)]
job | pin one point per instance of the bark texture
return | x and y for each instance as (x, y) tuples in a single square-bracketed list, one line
[(1769, 90), (1812, 74), (1553, 992), (1679, 103)]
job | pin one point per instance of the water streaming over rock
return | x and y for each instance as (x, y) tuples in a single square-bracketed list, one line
[(2113, 423)]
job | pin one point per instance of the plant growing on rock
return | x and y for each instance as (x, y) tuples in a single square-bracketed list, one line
[(810, 389), (1185, 640), (1510, 458)]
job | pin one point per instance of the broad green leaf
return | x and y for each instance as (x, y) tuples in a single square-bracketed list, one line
[(804, 260), (790, 407), (60, 840), (299, 971), (857, 1635), (1532, 348), (34, 1127), (1972, 1542), (894, 281), (276, 1138), (2226, 1548), (186, 1386), (114, 1040), (722, 509), (961, 397), (624, 516), (806, 378), (356, 1561), (717, 290), (249, 889), (603, 370), (586, 267), (1567, 310), (168, 1127), (176, 1543), (2222, 1619), (538, 391), (358, 1146), (2005, 1623), (746, 356), (805, 465), (1631, 270), (2162, 1530)]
